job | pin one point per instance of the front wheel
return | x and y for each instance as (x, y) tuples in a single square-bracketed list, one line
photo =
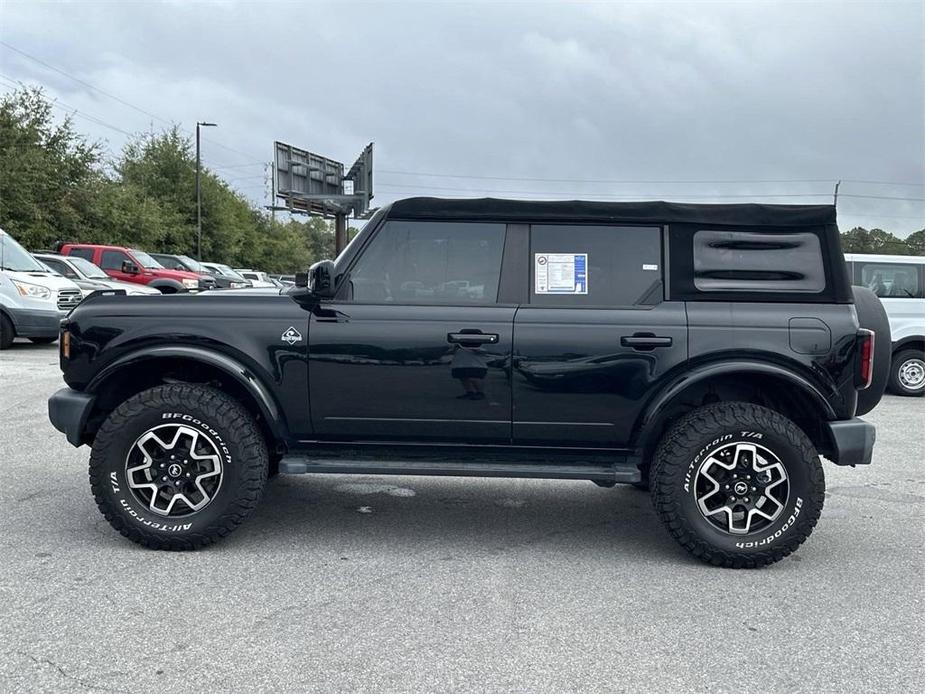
[(737, 485), (907, 372), (178, 466)]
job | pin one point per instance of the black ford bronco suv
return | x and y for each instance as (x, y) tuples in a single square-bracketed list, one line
[(710, 353)]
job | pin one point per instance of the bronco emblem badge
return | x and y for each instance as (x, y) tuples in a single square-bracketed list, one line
[(291, 335)]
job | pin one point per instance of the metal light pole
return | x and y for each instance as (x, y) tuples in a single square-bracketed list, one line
[(199, 124)]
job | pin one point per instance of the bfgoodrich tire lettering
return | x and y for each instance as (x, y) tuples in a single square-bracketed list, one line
[(733, 429), (227, 432)]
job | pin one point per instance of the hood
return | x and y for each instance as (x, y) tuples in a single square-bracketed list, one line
[(129, 287), (44, 279)]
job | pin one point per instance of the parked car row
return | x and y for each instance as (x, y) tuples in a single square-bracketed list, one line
[(38, 289)]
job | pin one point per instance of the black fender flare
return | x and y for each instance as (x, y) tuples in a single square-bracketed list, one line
[(266, 403), (645, 428), (872, 316), (165, 283)]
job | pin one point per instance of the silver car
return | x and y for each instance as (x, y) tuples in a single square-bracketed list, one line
[(87, 276)]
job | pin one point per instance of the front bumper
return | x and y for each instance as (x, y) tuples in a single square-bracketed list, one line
[(68, 410), (35, 323), (853, 441)]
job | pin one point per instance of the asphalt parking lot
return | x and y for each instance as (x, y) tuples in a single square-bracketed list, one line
[(349, 583)]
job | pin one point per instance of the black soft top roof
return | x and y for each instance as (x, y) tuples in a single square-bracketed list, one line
[(655, 212)]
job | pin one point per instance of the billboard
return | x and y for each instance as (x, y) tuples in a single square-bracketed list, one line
[(360, 177), (308, 182)]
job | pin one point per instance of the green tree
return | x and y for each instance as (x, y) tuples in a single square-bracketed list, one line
[(861, 240), (915, 242), (48, 172)]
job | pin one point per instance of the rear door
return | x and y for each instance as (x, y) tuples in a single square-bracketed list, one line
[(417, 346), (595, 336)]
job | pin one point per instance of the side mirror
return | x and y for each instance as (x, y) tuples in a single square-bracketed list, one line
[(129, 268), (321, 279)]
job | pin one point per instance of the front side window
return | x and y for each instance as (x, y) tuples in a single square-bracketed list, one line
[(449, 263), (891, 280), (575, 265), (112, 260), (61, 267)]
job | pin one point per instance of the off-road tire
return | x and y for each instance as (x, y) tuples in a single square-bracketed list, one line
[(43, 340), (896, 384), (691, 440), (7, 332), (219, 419)]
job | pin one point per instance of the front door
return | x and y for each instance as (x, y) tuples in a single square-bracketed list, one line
[(416, 347), (596, 336)]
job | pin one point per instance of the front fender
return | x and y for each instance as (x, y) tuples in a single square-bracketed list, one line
[(167, 284), (262, 396)]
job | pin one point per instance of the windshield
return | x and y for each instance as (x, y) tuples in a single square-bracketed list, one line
[(88, 269), (228, 272), (191, 264), (15, 258), (146, 260)]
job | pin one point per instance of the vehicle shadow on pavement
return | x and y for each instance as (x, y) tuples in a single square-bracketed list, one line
[(456, 515)]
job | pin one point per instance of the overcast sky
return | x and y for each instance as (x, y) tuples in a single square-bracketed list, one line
[(691, 101)]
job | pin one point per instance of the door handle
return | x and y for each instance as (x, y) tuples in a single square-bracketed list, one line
[(472, 338), (645, 341)]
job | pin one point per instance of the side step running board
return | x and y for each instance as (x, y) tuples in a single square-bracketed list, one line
[(621, 473)]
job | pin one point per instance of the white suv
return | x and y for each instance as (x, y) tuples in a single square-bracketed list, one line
[(899, 281), (33, 300)]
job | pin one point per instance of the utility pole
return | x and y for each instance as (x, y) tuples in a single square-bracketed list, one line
[(340, 233), (835, 195), (199, 124)]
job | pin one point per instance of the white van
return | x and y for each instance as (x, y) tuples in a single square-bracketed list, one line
[(33, 300), (899, 281)]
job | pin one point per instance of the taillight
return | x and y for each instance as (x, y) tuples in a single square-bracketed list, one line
[(65, 344), (865, 373)]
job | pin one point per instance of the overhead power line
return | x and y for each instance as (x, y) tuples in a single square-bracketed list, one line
[(687, 181), (116, 98)]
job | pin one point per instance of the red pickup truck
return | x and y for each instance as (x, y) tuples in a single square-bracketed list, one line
[(131, 265)]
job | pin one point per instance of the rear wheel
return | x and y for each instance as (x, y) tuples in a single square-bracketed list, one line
[(907, 372), (737, 485), (178, 466), (7, 332)]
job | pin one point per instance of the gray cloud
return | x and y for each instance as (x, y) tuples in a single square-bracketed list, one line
[(637, 92)]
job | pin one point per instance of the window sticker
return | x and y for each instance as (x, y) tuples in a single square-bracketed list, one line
[(561, 273)]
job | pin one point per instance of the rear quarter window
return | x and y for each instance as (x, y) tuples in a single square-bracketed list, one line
[(85, 253), (749, 261)]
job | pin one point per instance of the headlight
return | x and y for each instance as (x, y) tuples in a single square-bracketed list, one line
[(191, 284), (237, 285), (33, 291)]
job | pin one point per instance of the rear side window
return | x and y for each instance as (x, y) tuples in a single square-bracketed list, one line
[(60, 267), (450, 263), (112, 260), (748, 261), (575, 265), (890, 280), (85, 253)]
